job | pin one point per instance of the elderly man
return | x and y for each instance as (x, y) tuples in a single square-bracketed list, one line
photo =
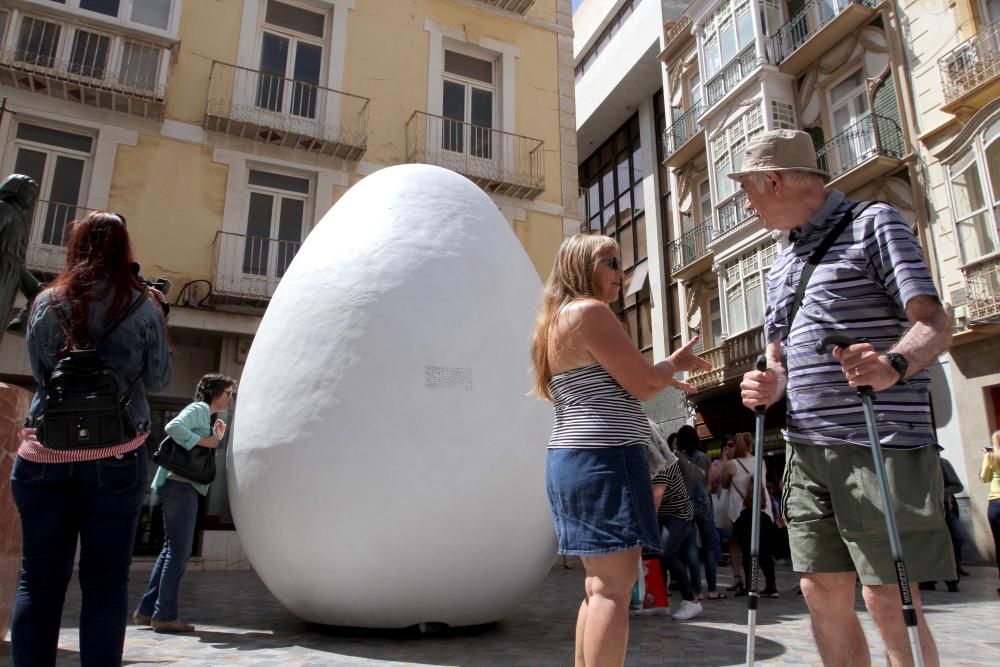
[(870, 283)]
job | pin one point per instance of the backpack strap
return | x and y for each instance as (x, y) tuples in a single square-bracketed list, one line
[(817, 255), (121, 318)]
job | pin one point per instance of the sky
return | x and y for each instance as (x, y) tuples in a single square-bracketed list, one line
[(576, 3)]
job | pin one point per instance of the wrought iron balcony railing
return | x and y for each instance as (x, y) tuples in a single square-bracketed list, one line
[(499, 162), (972, 63), (517, 6), (50, 229), (730, 360), (691, 246), (286, 112), (732, 74), (809, 21), (248, 268), (731, 216), (109, 71), (871, 136), (682, 130), (983, 292)]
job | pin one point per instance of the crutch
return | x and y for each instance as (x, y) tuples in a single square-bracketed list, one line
[(753, 595), (866, 394)]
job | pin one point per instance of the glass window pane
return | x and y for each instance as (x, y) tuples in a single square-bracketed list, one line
[(976, 236), (727, 38), (453, 110), (305, 91), (155, 13), (637, 172), (4, 16), (610, 222), (278, 181), (140, 66), (625, 207), (295, 18), (258, 234), (993, 168), (622, 172), (273, 61), (468, 66), (608, 186), (53, 137), (645, 324), (108, 7), (967, 191), (641, 251), (481, 117), (289, 232), (755, 301), (37, 42), (632, 324), (626, 241), (744, 28), (638, 192), (737, 317), (30, 163), (89, 56), (66, 180)]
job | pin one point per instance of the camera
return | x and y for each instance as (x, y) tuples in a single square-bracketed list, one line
[(988, 450), (161, 284)]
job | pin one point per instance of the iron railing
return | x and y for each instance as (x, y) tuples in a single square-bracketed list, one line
[(497, 161), (871, 136), (983, 291), (682, 130), (691, 246), (730, 360), (972, 63), (288, 112), (807, 22), (248, 267), (516, 6), (732, 215), (732, 74), (106, 70)]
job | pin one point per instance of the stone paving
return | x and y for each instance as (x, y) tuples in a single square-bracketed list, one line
[(240, 623)]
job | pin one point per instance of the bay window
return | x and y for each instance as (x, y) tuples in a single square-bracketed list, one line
[(744, 283)]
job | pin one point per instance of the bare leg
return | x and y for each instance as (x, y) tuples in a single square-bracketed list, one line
[(839, 637), (581, 626), (609, 588), (886, 608), (736, 558)]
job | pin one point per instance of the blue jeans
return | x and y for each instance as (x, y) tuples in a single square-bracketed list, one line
[(993, 513), (704, 525), (680, 532), (179, 501), (99, 503)]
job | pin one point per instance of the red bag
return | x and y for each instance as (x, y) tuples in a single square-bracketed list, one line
[(655, 600)]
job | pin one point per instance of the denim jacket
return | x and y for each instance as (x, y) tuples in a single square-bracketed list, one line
[(138, 346)]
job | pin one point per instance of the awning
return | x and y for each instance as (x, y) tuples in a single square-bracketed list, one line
[(639, 276)]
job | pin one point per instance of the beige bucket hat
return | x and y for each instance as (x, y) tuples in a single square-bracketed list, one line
[(779, 150)]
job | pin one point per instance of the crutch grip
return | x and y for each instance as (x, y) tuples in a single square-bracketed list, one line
[(761, 366), (840, 340)]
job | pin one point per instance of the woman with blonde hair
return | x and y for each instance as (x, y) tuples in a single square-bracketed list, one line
[(597, 478), (991, 473)]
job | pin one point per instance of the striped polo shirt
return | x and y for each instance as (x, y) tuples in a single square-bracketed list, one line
[(859, 289), (592, 410)]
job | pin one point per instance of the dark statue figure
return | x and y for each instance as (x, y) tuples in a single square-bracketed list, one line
[(18, 194)]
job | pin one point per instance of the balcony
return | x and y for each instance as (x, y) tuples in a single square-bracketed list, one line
[(816, 29), (104, 71), (498, 162), (284, 112), (50, 228), (730, 76), (517, 6), (864, 152), (970, 73), (685, 138), (982, 284), (247, 268), (730, 361), (732, 216), (675, 35), (690, 254)]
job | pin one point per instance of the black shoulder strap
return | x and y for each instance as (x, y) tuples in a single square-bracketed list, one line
[(819, 253)]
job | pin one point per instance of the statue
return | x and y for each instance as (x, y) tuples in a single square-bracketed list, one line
[(18, 194)]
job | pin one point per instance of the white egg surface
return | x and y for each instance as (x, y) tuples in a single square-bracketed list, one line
[(387, 465)]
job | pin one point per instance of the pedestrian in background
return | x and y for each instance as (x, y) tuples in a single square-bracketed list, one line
[(990, 473)]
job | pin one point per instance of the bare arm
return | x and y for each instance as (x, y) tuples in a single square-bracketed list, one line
[(658, 491)]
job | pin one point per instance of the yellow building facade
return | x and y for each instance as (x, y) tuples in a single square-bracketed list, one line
[(223, 131)]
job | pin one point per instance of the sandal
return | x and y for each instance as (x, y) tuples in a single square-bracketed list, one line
[(716, 596)]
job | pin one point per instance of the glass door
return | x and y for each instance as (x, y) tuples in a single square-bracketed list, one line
[(852, 122)]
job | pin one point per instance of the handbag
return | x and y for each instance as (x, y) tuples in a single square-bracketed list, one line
[(196, 464)]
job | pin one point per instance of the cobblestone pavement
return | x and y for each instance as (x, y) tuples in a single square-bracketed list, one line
[(240, 623)]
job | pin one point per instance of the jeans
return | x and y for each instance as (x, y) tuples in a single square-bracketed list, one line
[(99, 503), (680, 532), (704, 525), (993, 512), (179, 501)]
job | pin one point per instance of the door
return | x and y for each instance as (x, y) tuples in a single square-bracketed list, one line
[(275, 228), (468, 107), (852, 122)]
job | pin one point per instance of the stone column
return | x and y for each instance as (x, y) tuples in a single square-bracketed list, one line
[(14, 403)]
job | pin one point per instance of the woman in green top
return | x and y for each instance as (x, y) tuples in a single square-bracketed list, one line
[(197, 425)]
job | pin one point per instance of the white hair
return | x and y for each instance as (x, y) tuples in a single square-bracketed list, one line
[(797, 178)]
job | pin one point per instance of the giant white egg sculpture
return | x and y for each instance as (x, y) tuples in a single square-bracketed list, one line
[(388, 466)]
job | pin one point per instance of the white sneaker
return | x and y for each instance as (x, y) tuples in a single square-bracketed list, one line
[(687, 610)]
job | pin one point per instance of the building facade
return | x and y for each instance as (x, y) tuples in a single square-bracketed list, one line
[(224, 131)]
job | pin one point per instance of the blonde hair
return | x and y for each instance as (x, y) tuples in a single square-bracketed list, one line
[(995, 454), (744, 445), (572, 278)]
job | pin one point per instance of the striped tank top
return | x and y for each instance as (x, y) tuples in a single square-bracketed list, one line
[(592, 410)]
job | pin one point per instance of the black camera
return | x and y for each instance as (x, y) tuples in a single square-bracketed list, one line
[(161, 284)]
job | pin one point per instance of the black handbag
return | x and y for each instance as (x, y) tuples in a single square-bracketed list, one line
[(196, 464)]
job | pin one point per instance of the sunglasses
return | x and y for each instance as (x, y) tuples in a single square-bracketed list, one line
[(613, 262)]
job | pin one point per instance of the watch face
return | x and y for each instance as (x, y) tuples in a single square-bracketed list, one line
[(898, 362)]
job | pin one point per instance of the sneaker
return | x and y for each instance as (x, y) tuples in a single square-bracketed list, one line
[(686, 610)]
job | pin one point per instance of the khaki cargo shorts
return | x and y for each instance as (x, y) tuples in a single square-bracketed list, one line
[(833, 508)]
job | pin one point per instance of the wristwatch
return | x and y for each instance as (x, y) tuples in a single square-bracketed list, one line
[(899, 364)]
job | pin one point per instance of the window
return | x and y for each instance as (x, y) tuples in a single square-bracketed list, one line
[(783, 115), (59, 160), (275, 223), (4, 22), (714, 337), (468, 104), (974, 180), (142, 13), (848, 111), (87, 53), (745, 279), (290, 60), (726, 34), (990, 11), (728, 149)]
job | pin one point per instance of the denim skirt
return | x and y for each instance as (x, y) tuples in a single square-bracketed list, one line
[(601, 500)]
